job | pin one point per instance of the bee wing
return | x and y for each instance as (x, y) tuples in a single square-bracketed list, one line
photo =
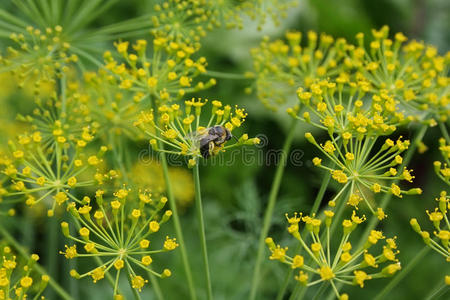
[(195, 137)]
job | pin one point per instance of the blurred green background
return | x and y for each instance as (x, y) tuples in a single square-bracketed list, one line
[(235, 196)]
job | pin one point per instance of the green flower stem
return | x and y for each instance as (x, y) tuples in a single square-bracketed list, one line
[(156, 287), (177, 225), (405, 271), (296, 291), (444, 131), (117, 150), (73, 283), (52, 241), (226, 75), (62, 91), (440, 290), (320, 291), (315, 207), (201, 224), (341, 205), (270, 207), (56, 287)]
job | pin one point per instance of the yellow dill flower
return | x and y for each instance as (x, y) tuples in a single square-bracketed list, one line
[(146, 75), (334, 265), (412, 71), (442, 169), (120, 237), (182, 134), (440, 219), (18, 278), (367, 170), (48, 172), (40, 54), (112, 106), (189, 20), (374, 116), (282, 66)]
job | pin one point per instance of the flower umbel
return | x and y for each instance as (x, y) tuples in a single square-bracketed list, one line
[(413, 72), (42, 173), (281, 66), (166, 74), (354, 127), (321, 264), (182, 132), (17, 277), (119, 234)]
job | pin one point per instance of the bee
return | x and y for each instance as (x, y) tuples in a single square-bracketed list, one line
[(210, 140)]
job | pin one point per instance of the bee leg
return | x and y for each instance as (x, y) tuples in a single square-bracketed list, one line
[(204, 151)]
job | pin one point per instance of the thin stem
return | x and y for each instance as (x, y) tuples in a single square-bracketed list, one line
[(440, 290), (156, 287), (52, 254), (199, 210), (62, 90), (226, 75), (56, 287), (402, 274), (320, 291), (177, 225), (444, 131), (295, 292), (270, 207), (73, 282)]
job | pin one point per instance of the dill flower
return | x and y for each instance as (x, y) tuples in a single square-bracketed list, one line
[(51, 37), (119, 232), (442, 169), (361, 169), (281, 66), (184, 133), (61, 123), (112, 108), (189, 20), (42, 53), (181, 21), (439, 240), (166, 74), (231, 14), (354, 126), (319, 263), (41, 173), (17, 277), (342, 108), (413, 71)]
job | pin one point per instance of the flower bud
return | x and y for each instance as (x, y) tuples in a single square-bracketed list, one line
[(65, 229)]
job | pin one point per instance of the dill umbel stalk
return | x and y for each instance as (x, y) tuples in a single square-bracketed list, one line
[(201, 225), (177, 225)]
